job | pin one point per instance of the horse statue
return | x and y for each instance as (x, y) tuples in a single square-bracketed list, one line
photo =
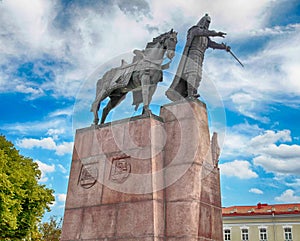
[(141, 76)]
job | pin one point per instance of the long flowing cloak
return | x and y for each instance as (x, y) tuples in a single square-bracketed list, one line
[(178, 88)]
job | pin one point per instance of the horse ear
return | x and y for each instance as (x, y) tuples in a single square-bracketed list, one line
[(171, 30)]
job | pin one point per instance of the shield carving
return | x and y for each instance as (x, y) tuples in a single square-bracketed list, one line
[(120, 169), (88, 175)]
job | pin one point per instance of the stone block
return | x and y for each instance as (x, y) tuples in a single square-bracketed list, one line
[(205, 222), (140, 219), (184, 110), (111, 138), (72, 224), (187, 187), (182, 218), (210, 188), (83, 142), (217, 225), (99, 222), (188, 138), (84, 195), (139, 171)]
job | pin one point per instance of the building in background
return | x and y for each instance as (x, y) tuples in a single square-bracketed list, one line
[(263, 222)]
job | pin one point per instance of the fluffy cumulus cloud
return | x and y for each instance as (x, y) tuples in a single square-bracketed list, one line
[(45, 169), (242, 18), (238, 168), (47, 143), (64, 148), (256, 191), (278, 158), (288, 196), (237, 140), (270, 149), (270, 137)]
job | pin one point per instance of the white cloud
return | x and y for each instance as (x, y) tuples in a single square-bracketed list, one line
[(26, 23), (250, 15), (61, 197), (60, 112), (278, 165), (273, 156), (269, 137), (47, 143), (256, 191), (55, 133), (288, 197), (238, 168), (237, 140), (39, 127), (32, 92), (267, 149), (277, 30), (45, 168), (64, 148), (245, 102), (62, 168), (295, 183), (51, 132)]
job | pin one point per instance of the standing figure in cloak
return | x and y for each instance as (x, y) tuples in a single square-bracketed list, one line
[(189, 72)]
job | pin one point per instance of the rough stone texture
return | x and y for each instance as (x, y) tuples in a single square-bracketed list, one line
[(173, 152), (192, 201), (72, 224), (129, 209)]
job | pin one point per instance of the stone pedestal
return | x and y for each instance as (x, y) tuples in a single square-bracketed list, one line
[(145, 178)]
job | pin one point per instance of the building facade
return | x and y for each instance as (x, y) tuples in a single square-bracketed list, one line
[(263, 222)]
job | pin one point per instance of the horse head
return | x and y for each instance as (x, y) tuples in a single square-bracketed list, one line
[(170, 43), (164, 43)]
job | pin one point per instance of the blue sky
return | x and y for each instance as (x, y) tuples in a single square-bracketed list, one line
[(52, 53)]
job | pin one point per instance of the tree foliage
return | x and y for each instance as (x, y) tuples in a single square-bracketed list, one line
[(51, 231), (23, 200)]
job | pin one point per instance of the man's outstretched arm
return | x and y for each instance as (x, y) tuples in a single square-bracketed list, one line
[(205, 32), (215, 45)]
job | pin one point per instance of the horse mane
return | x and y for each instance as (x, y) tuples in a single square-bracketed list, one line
[(157, 39)]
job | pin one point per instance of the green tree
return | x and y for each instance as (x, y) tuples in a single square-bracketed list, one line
[(23, 200), (50, 231)]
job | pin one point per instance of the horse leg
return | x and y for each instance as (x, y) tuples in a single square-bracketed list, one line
[(113, 102), (152, 89), (95, 109)]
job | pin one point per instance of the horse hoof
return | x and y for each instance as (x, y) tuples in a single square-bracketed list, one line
[(95, 122)]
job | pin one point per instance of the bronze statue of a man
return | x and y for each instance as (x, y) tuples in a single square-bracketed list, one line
[(188, 77)]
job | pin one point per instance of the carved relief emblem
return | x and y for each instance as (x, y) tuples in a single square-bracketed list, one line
[(120, 169), (88, 175)]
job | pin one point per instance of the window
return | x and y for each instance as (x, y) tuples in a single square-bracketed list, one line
[(263, 234), (288, 234), (227, 235), (245, 234)]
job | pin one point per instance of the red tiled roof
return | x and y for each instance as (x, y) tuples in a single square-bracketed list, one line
[(261, 209)]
